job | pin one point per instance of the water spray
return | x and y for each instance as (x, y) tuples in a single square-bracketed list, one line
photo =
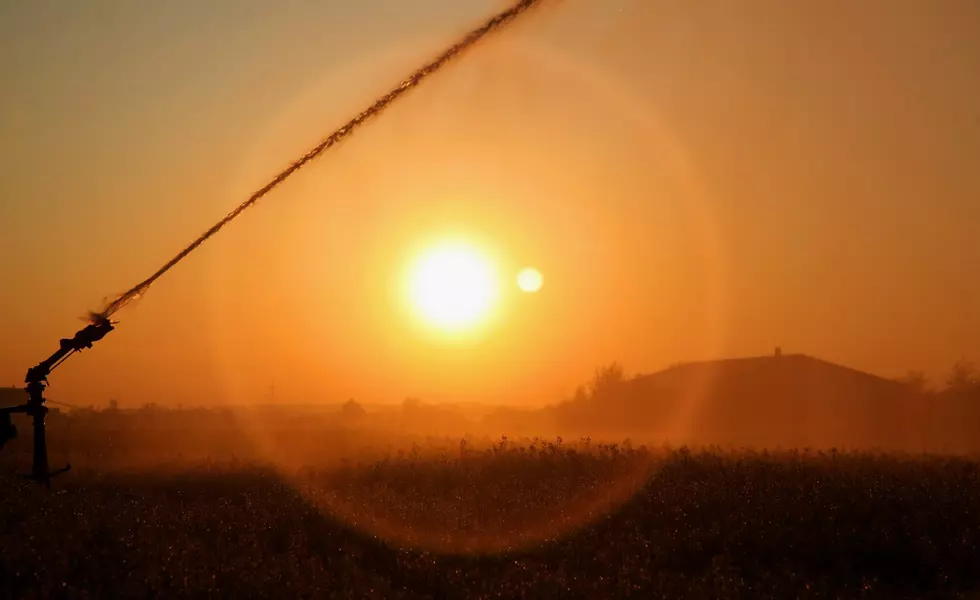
[(337, 136)]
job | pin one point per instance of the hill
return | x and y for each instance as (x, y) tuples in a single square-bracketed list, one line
[(778, 400)]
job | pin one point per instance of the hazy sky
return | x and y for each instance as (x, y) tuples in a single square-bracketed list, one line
[(694, 179)]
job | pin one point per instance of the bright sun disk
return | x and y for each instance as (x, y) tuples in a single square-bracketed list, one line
[(453, 286)]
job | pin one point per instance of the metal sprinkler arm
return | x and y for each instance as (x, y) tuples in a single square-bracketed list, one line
[(36, 380), (92, 333)]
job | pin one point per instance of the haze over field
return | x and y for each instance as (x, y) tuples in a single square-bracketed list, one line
[(689, 182)]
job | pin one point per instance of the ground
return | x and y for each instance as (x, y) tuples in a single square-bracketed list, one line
[(555, 520)]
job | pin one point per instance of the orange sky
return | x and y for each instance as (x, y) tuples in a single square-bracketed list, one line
[(694, 181)]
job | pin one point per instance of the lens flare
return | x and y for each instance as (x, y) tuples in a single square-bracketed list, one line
[(530, 280)]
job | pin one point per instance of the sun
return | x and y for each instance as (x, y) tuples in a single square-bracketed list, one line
[(453, 286)]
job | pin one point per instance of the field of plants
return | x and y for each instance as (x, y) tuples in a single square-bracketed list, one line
[(511, 519)]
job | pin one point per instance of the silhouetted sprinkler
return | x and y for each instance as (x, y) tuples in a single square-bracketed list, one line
[(37, 380), (37, 377)]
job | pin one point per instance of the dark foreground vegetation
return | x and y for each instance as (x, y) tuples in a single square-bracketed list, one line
[(531, 519)]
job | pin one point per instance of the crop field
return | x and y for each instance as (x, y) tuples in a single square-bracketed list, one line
[(511, 519)]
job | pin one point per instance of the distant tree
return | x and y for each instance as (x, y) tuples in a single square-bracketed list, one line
[(411, 409), (963, 378), (113, 405), (352, 410), (916, 381), (606, 381)]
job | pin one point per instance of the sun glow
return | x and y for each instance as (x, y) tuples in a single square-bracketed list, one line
[(453, 286)]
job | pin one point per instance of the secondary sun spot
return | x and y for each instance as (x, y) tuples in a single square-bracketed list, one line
[(530, 280), (453, 286)]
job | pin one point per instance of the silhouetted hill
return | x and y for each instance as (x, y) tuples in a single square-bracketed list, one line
[(787, 400), (755, 372)]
